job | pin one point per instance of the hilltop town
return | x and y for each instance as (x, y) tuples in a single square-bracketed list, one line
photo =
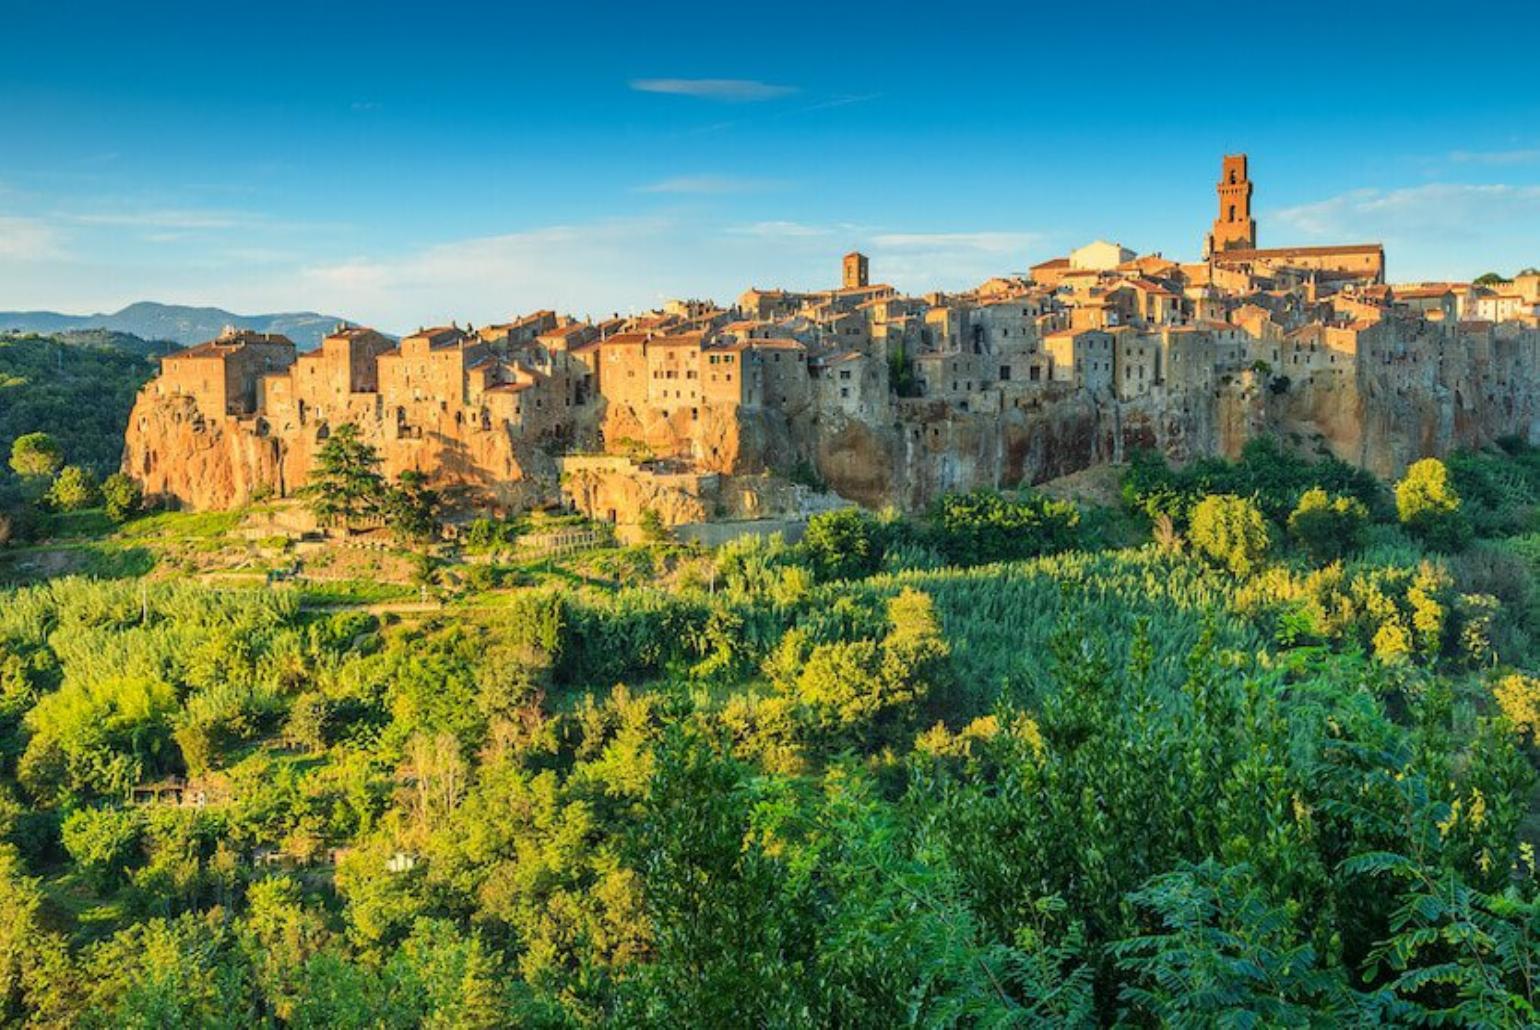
[(785, 399)]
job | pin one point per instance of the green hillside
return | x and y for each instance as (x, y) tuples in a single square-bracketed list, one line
[(78, 387), (1272, 766)]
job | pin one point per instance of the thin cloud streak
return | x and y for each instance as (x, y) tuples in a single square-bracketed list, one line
[(169, 218), (736, 91), (1434, 212), (780, 230), (1495, 157), (842, 101), (987, 242)]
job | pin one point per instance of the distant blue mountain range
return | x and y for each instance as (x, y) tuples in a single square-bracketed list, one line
[(176, 322)]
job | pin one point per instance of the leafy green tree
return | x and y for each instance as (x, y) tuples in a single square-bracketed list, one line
[(122, 496), (73, 489), (1429, 507), (98, 736), (345, 483), (1223, 956), (1328, 527), (652, 527), (843, 544), (103, 842), (411, 509), (279, 934), (987, 526), (1489, 279), (35, 456), (725, 933), (187, 972), (1230, 531), (866, 687), (36, 979)]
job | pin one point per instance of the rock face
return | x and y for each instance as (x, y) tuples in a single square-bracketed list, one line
[(197, 462), (1413, 390)]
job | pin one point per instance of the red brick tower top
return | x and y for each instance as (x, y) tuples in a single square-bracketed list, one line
[(1234, 229)]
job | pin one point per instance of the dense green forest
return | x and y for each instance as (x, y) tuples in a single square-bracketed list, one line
[(78, 387), (1255, 748)]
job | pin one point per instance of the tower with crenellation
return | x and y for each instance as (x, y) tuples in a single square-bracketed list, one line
[(1234, 229)]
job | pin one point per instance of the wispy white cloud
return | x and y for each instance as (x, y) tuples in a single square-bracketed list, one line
[(493, 276), (167, 218), (780, 230), (725, 90), (842, 101), (29, 239), (632, 264), (1520, 156), (711, 184), (986, 242), (1430, 213)]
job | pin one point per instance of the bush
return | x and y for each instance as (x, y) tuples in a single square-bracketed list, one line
[(73, 490), (102, 842), (1518, 697), (122, 496), (1231, 531), (483, 534), (1328, 527), (984, 526), (1429, 508), (652, 527), (1271, 476), (843, 544)]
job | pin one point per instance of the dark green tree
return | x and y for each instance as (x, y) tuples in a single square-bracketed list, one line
[(411, 509), (345, 483)]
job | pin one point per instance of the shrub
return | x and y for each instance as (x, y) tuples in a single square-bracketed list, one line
[(1518, 698), (122, 496), (843, 544), (1231, 531), (102, 842), (1328, 527), (652, 527), (73, 490), (1429, 508), (984, 526)]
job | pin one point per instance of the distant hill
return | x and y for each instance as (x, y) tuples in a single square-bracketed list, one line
[(178, 323)]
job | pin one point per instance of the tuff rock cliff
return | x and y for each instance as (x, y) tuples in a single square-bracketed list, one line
[(1421, 392)]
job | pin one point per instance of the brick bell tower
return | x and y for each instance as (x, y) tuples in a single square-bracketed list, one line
[(1234, 229), (855, 270)]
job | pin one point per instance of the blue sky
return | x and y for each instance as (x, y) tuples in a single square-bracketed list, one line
[(410, 165)]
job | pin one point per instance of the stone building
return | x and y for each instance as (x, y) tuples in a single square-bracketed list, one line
[(223, 376), (323, 383), (1083, 357), (1021, 378)]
